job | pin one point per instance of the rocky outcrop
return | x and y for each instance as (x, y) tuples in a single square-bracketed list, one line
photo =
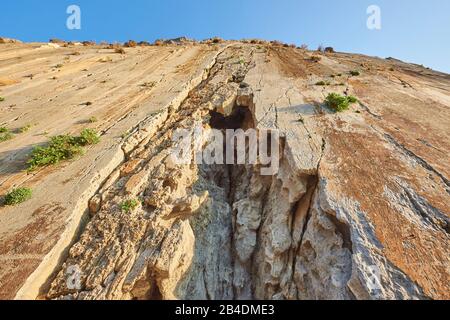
[(9, 40), (358, 208)]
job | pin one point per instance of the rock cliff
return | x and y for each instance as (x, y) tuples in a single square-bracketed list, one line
[(359, 208)]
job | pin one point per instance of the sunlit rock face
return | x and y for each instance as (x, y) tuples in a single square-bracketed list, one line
[(358, 207)]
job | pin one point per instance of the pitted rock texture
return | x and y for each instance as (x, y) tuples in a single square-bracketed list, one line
[(359, 208)]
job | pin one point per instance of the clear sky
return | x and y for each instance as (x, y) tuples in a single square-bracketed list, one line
[(412, 30)]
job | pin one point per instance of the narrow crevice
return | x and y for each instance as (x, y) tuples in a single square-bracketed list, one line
[(418, 159), (308, 212)]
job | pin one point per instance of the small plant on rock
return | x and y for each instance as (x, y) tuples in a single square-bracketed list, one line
[(5, 134), (88, 137), (129, 205), (339, 103), (62, 147), (17, 196)]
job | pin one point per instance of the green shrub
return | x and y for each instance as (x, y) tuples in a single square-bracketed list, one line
[(322, 83), (62, 147), (88, 137), (339, 103), (129, 205), (2, 99), (352, 99), (5, 134), (17, 196), (354, 73)]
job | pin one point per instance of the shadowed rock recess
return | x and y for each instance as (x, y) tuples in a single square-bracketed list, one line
[(359, 208)]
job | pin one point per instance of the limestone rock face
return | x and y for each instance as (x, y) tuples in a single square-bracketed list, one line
[(358, 207)]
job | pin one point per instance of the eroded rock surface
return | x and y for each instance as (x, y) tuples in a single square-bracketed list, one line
[(359, 208)]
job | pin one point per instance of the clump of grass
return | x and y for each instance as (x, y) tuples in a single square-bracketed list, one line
[(2, 99), (322, 83), (17, 196), (354, 73), (62, 147), (339, 103), (92, 120), (316, 58), (129, 205), (120, 50), (5, 134)]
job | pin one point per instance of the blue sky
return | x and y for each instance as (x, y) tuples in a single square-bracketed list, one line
[(412, 30)]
